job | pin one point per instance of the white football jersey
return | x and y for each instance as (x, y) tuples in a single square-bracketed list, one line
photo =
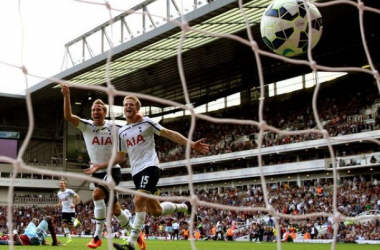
[(67, 199), (137, 140), (99, 141)]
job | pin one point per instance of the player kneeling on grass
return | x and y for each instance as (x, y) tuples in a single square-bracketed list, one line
[(34, 234)]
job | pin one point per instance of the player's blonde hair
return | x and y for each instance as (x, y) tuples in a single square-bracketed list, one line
[(134, 98), (64, 181), (100, 102)]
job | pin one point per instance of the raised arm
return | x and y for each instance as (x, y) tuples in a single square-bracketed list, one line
[(180, 139), (73, 119)]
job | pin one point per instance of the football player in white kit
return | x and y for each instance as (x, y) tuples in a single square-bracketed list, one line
[(67, 200), (99, 142), (137, 139)]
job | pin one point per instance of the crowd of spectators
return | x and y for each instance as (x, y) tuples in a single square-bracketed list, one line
[(46, 195), (355, 196), (342, 110)]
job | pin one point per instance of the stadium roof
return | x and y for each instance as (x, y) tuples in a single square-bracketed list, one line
[(214, 67)]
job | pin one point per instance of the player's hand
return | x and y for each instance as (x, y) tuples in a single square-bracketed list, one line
[(201, 147), (65, 90), (91, 170), (138, 117), (72, 205)]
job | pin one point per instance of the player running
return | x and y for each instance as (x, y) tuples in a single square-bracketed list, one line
[(98, 136), (67, 200), (137, 139)]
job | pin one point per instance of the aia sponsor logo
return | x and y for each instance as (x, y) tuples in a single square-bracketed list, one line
[(134, 141), (102, 140)]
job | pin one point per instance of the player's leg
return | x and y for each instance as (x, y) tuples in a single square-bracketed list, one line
[(145, 181), (76, 223), (66, 230), (71, 229), (170, 207), (67, 224), (169, 232), (98, 196), (4, 242), (51, 226), (121, 216), (6, 239), (156, 208), (31, 232), (136, 235), (37, 234), (124, 231), (146, 229)]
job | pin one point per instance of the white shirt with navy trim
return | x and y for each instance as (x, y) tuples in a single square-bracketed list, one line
[(137, 140), (67, 199), (99, 141)]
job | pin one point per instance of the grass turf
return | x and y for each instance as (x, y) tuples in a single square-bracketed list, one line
[(80, 244)]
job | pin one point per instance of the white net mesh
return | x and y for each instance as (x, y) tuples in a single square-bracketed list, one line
[(19, 165)]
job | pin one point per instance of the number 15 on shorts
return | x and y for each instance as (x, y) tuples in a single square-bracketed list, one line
[(144, 181)]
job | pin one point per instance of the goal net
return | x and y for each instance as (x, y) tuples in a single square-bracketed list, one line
[(311, 61)]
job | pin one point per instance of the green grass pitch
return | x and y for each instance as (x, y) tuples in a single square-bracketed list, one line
[(80, 244)]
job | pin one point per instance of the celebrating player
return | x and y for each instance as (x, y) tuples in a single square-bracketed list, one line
[(67, 200), (99, 141), (137, 139)]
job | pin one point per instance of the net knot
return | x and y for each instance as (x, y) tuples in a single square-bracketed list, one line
[(194, 200), (190, 106), (185, 27), (24, 70), (325, 133), (107, 4), (338, 217), (254, 45), (18, 164), (271, 210), (111, 184), (313, 65), (376, 74), (361, 6), (263, 125), (111, 90)]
